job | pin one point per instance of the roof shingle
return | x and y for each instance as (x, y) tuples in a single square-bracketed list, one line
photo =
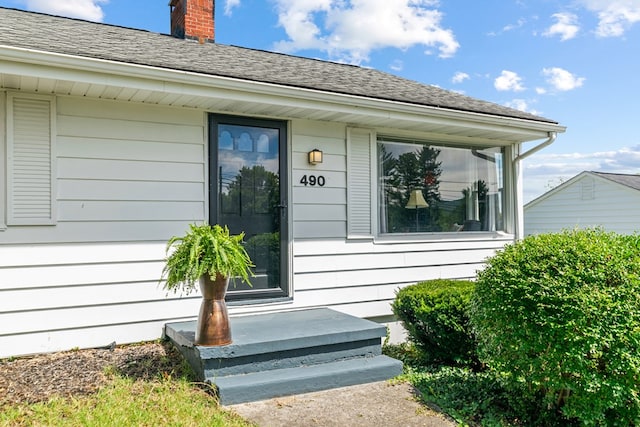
[(632, 181), (80, 38)]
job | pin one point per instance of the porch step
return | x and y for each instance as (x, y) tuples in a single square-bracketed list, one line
[(288, 353), (284, 382)]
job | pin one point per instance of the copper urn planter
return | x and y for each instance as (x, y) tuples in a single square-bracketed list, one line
[(213, 321)]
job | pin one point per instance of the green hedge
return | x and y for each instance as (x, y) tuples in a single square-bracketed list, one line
[(559, 314), (434, 313)]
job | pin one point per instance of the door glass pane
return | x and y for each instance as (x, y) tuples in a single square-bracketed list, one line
[(249, 196)]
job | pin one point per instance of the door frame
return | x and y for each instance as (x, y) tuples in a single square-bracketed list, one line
[(285, 291)]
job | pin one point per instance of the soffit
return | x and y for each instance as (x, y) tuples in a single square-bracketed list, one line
[(62, 75)]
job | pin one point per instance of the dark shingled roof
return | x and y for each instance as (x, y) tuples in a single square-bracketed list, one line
[(627, 180), (113, 43)]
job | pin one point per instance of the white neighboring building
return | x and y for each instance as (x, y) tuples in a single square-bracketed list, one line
[(116, 139), (589, 199)]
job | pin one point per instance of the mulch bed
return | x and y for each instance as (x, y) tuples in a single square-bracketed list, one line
[(82, 372)]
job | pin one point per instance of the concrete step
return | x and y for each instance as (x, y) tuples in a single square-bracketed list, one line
[(280, 340), (288, 353), (303, 379)]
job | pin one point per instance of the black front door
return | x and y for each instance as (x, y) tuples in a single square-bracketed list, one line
[(247, 178)]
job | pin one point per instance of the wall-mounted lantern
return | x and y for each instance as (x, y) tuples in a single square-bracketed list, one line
[(315, 156)]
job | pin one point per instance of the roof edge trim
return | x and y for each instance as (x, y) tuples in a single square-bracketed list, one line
[(184, 78)]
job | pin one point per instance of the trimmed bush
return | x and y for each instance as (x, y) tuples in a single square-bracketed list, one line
[(434, 313), (559, 315)]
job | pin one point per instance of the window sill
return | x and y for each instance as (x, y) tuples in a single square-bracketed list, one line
[(442, 237), (259, 302)]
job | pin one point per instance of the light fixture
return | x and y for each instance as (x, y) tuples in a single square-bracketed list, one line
[(315, 156), (416, 201)]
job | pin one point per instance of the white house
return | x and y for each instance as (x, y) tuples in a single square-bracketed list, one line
[(589, 199), (115, 139)]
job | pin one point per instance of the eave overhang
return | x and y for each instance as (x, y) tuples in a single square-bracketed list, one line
[(51, 73)]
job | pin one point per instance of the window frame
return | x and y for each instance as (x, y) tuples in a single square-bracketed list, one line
[(285, 291)]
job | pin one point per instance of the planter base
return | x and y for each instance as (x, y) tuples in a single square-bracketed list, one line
[(213, 320)]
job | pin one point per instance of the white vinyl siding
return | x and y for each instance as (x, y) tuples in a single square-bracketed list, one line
[(586, 201), (30, 160), (125, 172), (319, 212), (129, 177), (59, 296), (360, 169), (361, 277)]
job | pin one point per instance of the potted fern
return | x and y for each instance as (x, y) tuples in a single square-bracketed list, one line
[(210, 256)]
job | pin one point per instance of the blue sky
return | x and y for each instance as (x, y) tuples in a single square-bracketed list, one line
[(573, 61)]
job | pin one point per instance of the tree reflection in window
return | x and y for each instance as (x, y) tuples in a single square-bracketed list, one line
[(253, 196), (461, 186), (254, 190), (414, 170)]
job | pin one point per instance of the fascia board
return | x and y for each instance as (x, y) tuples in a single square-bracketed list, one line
[(91, 70)]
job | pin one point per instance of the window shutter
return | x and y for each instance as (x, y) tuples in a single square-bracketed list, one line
[(30, 171), (359, 183)]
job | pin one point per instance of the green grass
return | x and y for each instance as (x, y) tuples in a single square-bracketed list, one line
[(127, 402)]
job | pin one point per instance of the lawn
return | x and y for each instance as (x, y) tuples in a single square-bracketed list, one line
[(127, 402), (142, 385)]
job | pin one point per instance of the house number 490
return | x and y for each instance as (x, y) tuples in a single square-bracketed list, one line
[(312, 180)]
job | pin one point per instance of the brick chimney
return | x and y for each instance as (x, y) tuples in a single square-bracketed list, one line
[(193, 19)]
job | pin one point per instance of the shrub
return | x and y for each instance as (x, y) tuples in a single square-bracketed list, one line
[(434, 313), (559, 314)]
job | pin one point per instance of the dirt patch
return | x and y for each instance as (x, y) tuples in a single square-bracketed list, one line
[(77, 373)]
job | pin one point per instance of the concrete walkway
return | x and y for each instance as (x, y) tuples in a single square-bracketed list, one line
[(379, 404)]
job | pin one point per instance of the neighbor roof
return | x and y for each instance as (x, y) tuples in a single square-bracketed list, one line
[(628, 180), (46, 33)]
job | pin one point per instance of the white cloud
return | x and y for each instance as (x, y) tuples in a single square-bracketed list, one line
[(348, 30), (561, 79), (515, 26), (229, 5), (509, 27), (83, 9), (509, 80), (541, 90), (543, 170), (614, 16), (397, 65), (566, 26), (459, 77)]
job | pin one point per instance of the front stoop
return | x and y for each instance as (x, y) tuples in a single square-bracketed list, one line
[(281, 354)]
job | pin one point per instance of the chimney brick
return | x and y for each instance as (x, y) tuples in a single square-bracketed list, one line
[(193, 19)]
